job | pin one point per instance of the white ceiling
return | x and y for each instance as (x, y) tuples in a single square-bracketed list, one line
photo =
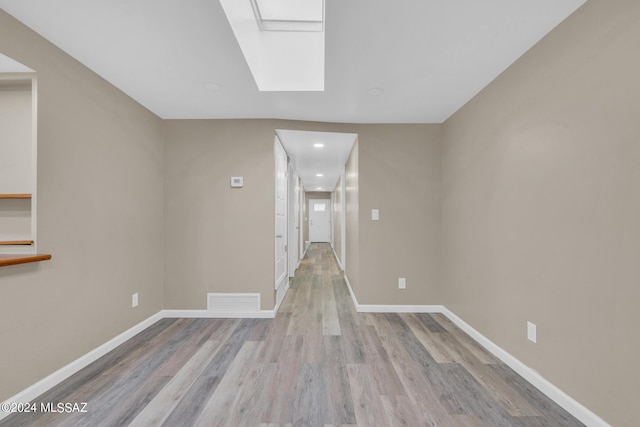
[(309, 161), (393, 61), (180, 59), (8, 65)]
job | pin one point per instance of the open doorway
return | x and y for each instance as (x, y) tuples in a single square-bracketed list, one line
[(315, 169)]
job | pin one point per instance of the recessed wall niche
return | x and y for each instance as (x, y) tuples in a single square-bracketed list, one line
[(17, 158)]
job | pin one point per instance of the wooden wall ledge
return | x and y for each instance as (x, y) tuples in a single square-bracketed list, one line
[(16, 242), (15, 196), (13, 259)]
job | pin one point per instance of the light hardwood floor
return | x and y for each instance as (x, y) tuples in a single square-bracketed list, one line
[(318, 363)]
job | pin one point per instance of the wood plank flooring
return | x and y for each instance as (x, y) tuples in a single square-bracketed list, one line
[(318, 363)]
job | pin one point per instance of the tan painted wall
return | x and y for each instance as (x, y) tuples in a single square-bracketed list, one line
[(100, 215), (213, 231), (399, 174), (324, 195), (541, 209)]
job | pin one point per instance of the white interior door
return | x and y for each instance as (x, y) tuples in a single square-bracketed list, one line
[(319, 220), (281, 216)]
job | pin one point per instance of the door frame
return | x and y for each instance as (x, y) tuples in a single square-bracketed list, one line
[(282, 281), (293, 199)]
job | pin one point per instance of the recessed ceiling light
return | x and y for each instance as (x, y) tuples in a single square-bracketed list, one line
[(213, 86), (319, 188), (375, 91), (318, 145), (319, 174)]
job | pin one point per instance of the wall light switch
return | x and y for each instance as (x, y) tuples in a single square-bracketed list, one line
[(402, 283), (134, 300), (375, 214), (237, 181)]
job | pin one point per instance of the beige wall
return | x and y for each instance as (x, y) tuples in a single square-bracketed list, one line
[(214, 232), (100, 215), (399, 174), (541, 209)]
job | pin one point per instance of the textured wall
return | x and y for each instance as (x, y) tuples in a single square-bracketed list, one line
[(541, 207), (99, 214), (400, 175)]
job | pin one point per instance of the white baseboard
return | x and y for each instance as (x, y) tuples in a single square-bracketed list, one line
[(335, 254), (353, 296), (35, 390), (212, 314), (393, 308), (280, 294), (374, 308), (572, 406)]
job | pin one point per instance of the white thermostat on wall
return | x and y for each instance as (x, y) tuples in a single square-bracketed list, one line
[(237, 181)]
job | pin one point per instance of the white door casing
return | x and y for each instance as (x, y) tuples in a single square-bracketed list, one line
[(281, 276), (301, 196), (294, 217), (319, 220)]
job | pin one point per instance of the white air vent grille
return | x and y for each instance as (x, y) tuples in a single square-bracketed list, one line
[(233, 302)]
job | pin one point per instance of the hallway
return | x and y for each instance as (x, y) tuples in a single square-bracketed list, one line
[(318, 363)]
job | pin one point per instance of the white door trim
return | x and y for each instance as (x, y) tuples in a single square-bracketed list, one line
[(280, 215)]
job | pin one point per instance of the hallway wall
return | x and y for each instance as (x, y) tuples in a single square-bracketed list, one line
[(218, 238), (99, 200), (541, 208), (400, 174)]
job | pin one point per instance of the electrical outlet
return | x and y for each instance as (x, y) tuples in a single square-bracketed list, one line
[(402, 283), (531, 332), (134, 300)]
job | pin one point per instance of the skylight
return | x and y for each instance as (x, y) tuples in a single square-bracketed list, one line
[(289, 15), (281, 40)]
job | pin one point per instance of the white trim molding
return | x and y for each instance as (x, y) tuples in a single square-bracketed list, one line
[(397, 308), (376, 308), (280, 294), (335, 254), (211, 314)]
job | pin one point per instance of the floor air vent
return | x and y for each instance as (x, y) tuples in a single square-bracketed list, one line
[(233, 302)]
